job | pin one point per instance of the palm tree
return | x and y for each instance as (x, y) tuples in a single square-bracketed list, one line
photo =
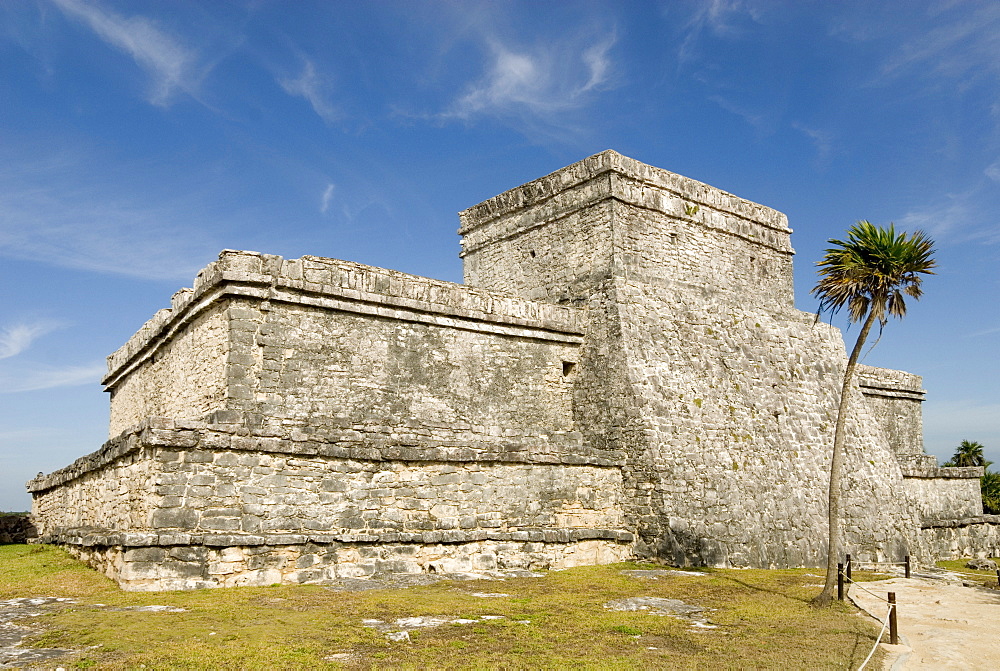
[(969, 453), (989, 486), (868, 273)]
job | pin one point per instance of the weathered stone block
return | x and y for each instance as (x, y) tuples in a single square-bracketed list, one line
[(180, 518), (145, 555)]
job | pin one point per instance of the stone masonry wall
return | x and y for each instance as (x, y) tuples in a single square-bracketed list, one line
[(720, 385), (181, 505), (309, 366), (118, 495), (359, 408), (971, 537), (555, 238), (944, 494), (313, 341), (163, 480), (895, 398), (304, 560), (185, 375), (740, 454)]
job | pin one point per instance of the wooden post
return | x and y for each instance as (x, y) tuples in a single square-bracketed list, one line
[(840, 582), (893, 631), (907, 560), (849, 567)]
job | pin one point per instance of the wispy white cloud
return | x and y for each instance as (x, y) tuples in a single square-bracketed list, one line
[(314, 88), (76, 232), (170, 64), (722, 15), (723, 18), (821, 139), (964, 43), (325, 199), (939, 220), (959, 217), (15, 339), (52, 211), (18, 435), (761, 121), (538, 81), (47, 377), (993, 171)]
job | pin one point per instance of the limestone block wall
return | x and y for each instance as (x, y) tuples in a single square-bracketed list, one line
[(945, 494), (557, 237), (955, 539), (744, 411), (306, 559), (113, 488), (942, 496), (384, 369), (392, 421), (217, 479), (715, 390), (183, 504), (894, 398), (317, 343), (183, 374), (309, 365), (268, 493), (506, 250)]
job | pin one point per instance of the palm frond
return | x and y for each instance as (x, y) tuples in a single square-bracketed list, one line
[(872, 270)]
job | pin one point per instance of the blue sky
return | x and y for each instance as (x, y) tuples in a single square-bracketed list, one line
[(138, 139)]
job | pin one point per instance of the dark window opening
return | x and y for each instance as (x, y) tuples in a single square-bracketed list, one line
[(568, 367)]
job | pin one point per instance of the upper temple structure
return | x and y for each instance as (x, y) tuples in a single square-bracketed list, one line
[(622, 375)]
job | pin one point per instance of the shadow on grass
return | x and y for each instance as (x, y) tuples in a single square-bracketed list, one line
[(758, 588)]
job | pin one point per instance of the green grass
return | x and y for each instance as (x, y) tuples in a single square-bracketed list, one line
[(989, 578), (764, 621)]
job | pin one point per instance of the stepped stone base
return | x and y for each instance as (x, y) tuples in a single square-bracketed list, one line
[(152, 562), (977, 536)]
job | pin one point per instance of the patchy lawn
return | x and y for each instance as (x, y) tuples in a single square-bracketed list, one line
[(987, 578), (752, 619)]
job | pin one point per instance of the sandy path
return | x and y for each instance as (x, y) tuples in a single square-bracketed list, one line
[(941, 625)]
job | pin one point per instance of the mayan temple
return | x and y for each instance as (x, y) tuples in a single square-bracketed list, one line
[(622, 375)]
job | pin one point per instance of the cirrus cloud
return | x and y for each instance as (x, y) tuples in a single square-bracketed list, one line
[(539, 81), (170, 64), (16, 339)]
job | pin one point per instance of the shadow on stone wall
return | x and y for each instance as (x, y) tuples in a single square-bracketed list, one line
[(16, 528)]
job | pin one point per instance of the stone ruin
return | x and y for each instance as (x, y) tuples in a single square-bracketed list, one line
[(622, 375)]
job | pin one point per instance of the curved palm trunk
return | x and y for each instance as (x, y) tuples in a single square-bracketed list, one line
[(837, 464)]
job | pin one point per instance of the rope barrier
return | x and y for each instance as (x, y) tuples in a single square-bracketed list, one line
[(844, 576), (880, 563), (865, 589), (885, 625)]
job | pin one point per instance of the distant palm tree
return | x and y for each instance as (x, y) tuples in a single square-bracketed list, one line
[(968, 453), (989, 486), (868, 273)]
